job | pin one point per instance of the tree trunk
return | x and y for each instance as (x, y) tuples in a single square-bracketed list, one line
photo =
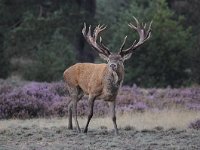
[(89, 7)]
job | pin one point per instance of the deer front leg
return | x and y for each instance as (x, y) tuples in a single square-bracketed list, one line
[(91, 105), (70, 126), (113, 115)]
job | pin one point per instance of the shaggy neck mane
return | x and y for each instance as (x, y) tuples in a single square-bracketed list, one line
[(113, 79)]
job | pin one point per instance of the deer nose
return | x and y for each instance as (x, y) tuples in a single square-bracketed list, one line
[(113, 66)]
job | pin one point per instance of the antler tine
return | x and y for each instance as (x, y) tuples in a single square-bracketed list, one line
[(132, 26), (102, 27), (145, 25), (89, 32), (122, 46), (149, 29), (95, 33), (148, 35), (84, 29), (97, 30), (92, 40), (144, 35), (137, 22), (138, 25), (107, 50)]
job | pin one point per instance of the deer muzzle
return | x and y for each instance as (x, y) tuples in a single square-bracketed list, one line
[(113, 66)]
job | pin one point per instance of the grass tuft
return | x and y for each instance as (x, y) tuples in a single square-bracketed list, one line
[(149, 120)]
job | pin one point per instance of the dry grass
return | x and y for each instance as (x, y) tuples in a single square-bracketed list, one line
[(147, 120)]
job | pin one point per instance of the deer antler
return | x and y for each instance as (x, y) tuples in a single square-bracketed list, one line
[(92, 39), (144, 34)]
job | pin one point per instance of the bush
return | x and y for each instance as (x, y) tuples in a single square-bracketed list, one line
[(51, 60), (4, 61), (51, 99), (195, 125), (164, 59), (31, 100)]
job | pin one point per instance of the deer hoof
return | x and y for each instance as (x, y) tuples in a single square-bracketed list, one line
[(70, 128), (85, 131)]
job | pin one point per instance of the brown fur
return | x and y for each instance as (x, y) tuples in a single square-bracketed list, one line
[(94, 79), (100, 81)]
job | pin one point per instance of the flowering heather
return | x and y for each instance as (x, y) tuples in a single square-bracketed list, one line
[(33, 99), (195, 125)]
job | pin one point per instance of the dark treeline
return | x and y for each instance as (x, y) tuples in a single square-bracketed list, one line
[(39, 39)]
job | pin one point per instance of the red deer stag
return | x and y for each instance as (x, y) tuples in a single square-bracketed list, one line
[(100, 81)]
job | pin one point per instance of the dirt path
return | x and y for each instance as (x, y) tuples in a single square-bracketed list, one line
[(35, 138)]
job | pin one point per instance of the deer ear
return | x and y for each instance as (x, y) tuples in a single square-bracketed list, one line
[(104, 57), (127, 56)]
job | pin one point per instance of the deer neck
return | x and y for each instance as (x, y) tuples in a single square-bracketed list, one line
[(113, 80)]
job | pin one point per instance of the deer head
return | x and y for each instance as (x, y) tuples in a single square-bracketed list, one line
[(116, 59)]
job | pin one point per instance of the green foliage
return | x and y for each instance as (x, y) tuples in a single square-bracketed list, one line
[(193, 19), (52, 58), (23, 39), (195, 61), (4, 63), (162, 60), (45, 36)]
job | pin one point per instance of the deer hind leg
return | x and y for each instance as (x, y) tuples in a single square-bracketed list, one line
[(91, 105), (70, 126), (75, 114), (113, 115), (76, 95)]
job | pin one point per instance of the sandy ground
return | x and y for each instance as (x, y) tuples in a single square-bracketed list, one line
[(164, 130)]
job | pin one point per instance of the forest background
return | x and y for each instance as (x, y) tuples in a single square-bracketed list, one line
[(40, 39)]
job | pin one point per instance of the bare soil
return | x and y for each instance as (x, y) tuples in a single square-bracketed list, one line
[(60, 138)]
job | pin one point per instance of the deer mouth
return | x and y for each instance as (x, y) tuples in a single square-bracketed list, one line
[(114, 69)]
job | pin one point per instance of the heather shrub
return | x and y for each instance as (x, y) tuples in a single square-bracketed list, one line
[(139, 106), (193, 106), (195, 125), (128, 128), (41, 100), (33, 99), (20, 105), (134, 97), (59, 109), (5, 89)]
